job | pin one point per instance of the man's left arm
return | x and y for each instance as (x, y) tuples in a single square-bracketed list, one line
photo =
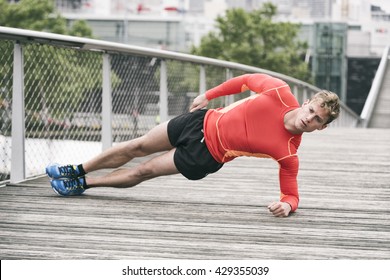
[(289, 196)]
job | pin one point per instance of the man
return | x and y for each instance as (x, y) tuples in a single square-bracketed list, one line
[(267, 124)]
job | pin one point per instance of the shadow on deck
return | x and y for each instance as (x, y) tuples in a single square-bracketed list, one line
[(344, 211)]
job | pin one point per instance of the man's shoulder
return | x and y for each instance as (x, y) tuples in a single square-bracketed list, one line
[(287, 97), (268, 81)]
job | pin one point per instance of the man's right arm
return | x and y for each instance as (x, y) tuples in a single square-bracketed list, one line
[(254, 82), (199, 102)]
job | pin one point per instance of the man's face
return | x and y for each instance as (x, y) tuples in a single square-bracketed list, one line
[(311, 117)]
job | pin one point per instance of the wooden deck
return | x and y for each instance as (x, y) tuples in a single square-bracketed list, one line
[(344, 211)]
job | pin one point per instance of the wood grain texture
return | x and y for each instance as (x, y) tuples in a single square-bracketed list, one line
[(344, 210)]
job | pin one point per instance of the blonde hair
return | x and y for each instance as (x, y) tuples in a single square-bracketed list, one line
[(330, 101)]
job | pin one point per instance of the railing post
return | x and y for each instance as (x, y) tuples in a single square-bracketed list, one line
[(229, 99), (163, 92), (368, 107), (18, 163), (295, 91), (305, 95), (106, 104), (202, 80)]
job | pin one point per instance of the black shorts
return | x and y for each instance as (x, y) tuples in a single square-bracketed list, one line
[(192, 158)]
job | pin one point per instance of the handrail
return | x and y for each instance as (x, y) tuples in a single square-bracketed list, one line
[(99, 45), (104, 46), (368, 108)]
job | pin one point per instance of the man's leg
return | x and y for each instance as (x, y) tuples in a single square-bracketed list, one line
[(124, 178), (156, 140)]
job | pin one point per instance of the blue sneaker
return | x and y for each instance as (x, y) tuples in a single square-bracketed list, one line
[(56, 171), (67, 187)]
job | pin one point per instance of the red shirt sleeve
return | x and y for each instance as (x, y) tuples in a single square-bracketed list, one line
[(254, 82), (288, 182)]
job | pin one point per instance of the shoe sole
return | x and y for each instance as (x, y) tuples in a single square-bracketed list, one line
[(55, 190)]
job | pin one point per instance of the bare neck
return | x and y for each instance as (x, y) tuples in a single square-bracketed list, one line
[(289, 121)]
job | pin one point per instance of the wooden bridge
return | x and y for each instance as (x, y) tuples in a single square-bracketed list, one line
[(344, 211)]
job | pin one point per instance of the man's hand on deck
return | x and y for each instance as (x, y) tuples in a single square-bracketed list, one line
[(279, 209)]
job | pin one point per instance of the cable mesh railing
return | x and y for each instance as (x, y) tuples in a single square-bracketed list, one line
[(6, 69), (59, 84), (73, 97)]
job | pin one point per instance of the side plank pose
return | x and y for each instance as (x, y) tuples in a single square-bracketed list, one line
[(268, 124)]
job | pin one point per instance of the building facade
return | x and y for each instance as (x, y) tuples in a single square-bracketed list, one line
[(337, 31)]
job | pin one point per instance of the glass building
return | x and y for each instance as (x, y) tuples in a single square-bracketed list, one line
[(329, 57)]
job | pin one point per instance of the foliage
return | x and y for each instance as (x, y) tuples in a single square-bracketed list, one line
[(183, 77), (39, 15), (56, 79), (60, 78), (253, 38), (80, 28)]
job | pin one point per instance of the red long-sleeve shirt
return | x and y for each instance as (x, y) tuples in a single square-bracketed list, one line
[(255, 127)]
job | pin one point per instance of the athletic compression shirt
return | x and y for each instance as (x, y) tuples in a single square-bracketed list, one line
[(255, 127)]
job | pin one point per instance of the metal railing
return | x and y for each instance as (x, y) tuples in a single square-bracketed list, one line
[(372, 97), (71, 97)]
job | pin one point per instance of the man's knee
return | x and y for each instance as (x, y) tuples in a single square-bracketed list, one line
[(145, 171), (135, 148)]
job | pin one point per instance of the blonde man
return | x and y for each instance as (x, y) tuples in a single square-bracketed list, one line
[(268, 124)]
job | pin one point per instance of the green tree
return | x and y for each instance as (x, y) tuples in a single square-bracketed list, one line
[(57, 79), (39, 15), (253, 38), (80, 28)]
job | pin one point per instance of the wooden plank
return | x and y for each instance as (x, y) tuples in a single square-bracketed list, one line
[(344, 187)]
